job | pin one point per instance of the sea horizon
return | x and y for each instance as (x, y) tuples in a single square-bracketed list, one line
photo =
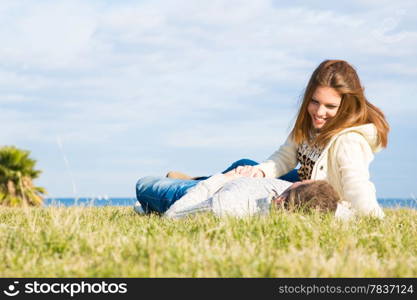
[(130, 201)]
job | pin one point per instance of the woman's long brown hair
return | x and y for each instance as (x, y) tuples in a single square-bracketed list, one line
[(354, 108)]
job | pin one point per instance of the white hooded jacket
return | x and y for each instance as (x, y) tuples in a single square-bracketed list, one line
[(344, 163)]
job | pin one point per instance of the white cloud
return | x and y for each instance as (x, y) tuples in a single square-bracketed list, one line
[(250, 133), (47, 35)]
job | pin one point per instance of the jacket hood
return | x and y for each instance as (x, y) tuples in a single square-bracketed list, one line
[(369, 132)]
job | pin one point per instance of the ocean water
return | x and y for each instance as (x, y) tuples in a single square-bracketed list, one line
[(384, 202), (89, 202)]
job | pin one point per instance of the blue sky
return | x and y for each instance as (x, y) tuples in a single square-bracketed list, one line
[(104, 92)]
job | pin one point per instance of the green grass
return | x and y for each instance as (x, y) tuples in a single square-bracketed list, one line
[(115, 242)]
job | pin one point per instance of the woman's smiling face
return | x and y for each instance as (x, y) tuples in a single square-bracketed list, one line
[(323, 105)]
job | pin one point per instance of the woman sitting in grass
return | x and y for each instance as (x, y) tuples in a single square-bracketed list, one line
[(335, 136)]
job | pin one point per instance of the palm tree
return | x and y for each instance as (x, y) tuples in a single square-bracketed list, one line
[(17, 172)]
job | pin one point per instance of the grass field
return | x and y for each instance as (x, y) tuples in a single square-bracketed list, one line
[(115, 242)]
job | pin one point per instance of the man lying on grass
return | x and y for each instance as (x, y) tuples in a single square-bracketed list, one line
[(232, 194)]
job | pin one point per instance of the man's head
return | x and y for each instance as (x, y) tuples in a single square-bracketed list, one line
[(309, 194)]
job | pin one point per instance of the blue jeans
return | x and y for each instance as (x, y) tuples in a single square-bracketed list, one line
[(157, 194)]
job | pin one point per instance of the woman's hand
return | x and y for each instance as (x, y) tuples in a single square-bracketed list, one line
[(249, 171)]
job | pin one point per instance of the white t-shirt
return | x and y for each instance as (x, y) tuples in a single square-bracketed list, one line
[(226, 196)]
